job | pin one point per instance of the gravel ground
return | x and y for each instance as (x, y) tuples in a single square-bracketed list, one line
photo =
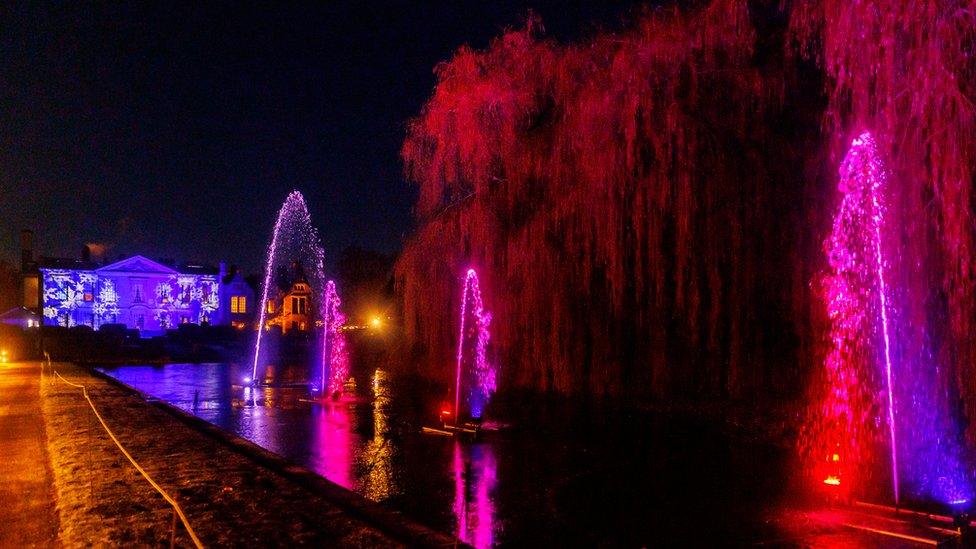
[(229, 499)]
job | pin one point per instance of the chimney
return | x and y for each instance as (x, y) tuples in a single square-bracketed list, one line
[(26, 248), (86, 254)]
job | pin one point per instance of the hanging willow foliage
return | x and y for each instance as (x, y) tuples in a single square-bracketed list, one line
[(647, 207), (618, 198)]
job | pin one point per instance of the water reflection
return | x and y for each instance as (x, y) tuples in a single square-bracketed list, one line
[(332, 455), (475, 477), (563, 482), (376, 460)]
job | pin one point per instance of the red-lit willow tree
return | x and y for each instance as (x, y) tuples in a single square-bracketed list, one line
[(646, 207), (907, 71)]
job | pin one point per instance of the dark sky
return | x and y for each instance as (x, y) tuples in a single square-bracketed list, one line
[(177, 132)]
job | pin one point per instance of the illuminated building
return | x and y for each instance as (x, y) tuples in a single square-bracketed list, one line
[(137, 292), (291, 308), (237, 300)]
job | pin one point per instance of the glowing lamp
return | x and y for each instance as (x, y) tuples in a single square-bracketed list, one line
[(375, 322), (3, 356), (832, 480), (247, 379)]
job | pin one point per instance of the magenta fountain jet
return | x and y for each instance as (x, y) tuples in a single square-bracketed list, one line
[(335, 364), (876, 176), (484, 373), (863, 173)]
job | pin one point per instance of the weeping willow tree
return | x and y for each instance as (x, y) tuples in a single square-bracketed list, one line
[(646, 207), (616, 194)]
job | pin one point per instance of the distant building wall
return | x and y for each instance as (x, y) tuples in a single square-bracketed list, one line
[(137, 292), (237, 302)]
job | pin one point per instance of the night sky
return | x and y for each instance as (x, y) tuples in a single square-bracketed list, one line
[(177, 132)]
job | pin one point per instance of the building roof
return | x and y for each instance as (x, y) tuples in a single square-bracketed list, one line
[(138, 264), (65, 263)]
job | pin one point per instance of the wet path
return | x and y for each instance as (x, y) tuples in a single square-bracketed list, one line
[(28, 516)]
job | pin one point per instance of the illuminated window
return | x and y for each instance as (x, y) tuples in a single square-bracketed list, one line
[(270, 306), (238, 304), (303, 326)]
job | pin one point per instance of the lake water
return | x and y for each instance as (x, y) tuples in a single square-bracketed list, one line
[(552, 477)]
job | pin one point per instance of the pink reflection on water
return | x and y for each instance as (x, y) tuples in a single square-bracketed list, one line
[(332, 456), (475, 476)]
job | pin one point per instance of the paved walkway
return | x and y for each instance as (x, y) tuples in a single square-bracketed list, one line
[(27, 510)]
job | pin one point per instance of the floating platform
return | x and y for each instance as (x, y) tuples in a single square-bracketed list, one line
[(344, 399), (898, 525), (277, 385), (465, 429)]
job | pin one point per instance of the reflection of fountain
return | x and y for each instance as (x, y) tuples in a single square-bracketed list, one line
[(333, 439), (864, 354), (475, 477), (473, 338), (335, 362), (293, 237)]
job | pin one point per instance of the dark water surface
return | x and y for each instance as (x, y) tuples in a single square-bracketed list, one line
[(549, 478)]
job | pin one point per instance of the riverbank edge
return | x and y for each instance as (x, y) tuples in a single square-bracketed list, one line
[(388, 521)]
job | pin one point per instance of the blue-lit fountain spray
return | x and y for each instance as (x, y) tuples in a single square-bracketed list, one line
[(294, 239)]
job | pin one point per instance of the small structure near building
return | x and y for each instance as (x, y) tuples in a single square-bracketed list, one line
[(237, 300), (22, 317), (291, 309), (290, 301)]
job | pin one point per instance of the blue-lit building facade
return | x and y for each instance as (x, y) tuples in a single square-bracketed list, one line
[(139, 293)]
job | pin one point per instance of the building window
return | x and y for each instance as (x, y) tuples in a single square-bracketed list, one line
[(141, 322), (238, 304), (270, 306), (137, 293)]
